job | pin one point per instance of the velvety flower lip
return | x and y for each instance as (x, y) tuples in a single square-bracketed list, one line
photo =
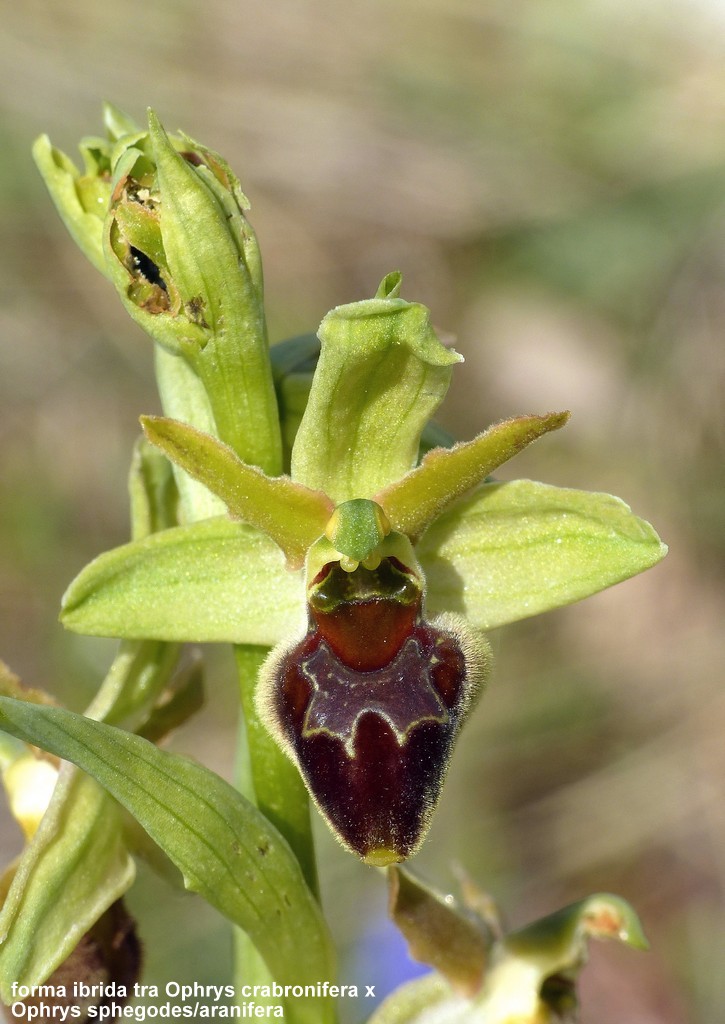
[(368, 704)]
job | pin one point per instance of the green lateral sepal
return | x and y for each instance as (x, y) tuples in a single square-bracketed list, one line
[(516, 549), (215, 581)]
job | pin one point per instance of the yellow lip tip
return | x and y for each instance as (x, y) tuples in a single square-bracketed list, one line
[(381, 857)]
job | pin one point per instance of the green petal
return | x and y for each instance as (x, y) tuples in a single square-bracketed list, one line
[(117, 122), (413, 502), (516, 549), (62, 180), (75, 867), (211, 581), (269, 779), (294, 516), (226, 850), (381, 375)]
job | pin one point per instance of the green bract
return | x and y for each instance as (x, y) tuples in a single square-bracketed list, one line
[(166, 225), (308, 505)]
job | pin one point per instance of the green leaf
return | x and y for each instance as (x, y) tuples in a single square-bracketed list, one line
[(294, 516), (381, 375), (225, 849), (516, 549), (78, 849), (413, 502), (211, 581), (75, 867)]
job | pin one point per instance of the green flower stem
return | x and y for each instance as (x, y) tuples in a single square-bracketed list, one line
[(248, 966), (270, 781), (275, 785)]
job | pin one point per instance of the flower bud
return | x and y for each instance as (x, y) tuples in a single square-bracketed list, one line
[(164, 218), (187, 266)]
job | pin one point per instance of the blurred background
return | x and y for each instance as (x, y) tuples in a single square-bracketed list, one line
[(550, 179)]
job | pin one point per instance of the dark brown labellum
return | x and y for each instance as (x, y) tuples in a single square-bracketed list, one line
[(369, 704)]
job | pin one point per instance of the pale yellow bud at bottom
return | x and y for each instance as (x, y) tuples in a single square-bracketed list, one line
[(30, 783)]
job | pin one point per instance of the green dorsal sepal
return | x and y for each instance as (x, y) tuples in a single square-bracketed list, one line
[(381, 375)]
